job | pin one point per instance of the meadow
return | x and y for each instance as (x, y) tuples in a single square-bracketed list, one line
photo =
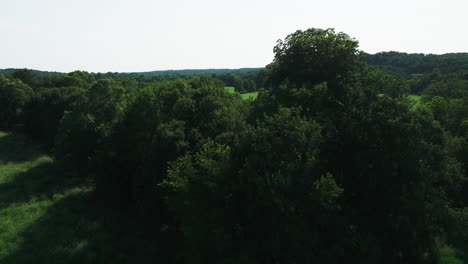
[(244, 96), (415, 99)]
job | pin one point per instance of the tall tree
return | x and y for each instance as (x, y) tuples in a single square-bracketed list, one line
[(313, 56), (14, 94)]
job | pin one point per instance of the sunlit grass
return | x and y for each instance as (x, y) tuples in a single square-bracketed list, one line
[(415, 99), (244, 96), (29, 188), (251, 95), (230, 89)]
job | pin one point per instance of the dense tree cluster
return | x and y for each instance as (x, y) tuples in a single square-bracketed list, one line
[(332, 163), (243, 80)]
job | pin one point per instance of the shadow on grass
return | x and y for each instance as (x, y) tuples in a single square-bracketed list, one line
[(38, 183), (72, 231), (16, 149), (74, 226)]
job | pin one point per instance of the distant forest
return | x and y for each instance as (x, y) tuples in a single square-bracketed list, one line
[(244, 80), (409, 66), (344, 157)]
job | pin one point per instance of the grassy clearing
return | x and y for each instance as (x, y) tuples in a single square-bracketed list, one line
[(230, 89), (49, 215), (415, 99), (252, 95), (244, 96)]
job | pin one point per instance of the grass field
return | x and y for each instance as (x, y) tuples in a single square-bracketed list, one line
[(416, 99), (244, 96), (49, 215), (251, 95), (230, 89)]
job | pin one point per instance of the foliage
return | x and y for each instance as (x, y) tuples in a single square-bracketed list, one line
[(14, 94), (407, 64), (165, 121), (86, 128), (42, 114), (260, 201), (313, 56)]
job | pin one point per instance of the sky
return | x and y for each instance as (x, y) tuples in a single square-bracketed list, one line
[(146, 35)]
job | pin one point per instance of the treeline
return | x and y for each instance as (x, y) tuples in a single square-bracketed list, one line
[(244, 80), (414, 64), (331, 164), (202, 71), (419, 69)]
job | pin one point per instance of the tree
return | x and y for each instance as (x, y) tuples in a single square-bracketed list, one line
[(24, 75), (386, 157), (42, 114), (445, 88), (14, 94), (84, 131), (313, 56)]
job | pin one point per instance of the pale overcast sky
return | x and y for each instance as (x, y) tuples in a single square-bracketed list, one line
[(145, 35)]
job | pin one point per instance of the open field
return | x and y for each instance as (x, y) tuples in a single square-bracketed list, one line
[(244, 96), (251, 95)]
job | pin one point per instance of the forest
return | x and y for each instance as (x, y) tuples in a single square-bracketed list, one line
[(343, 157)]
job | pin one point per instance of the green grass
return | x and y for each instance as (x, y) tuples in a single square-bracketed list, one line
[(244, 96), (415, 99), (252, 95), (449, 255), (230, 89), (48, 214)]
